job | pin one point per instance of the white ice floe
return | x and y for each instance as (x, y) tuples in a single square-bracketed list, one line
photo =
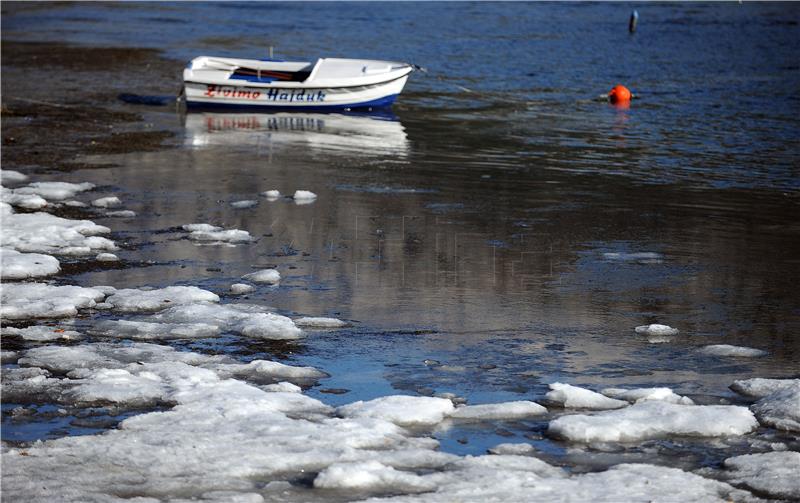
[(27, 201), (16, 265), (45, 233), (499, 411), (728, 350), (143, 330), (656, 329), (37, 300), (247, 203), (644, 394), (264, 370), (241, 288), (213, 234), (640, 257), (269, 276), (8, 176), (220, 433), (283, 387), (243, 319), (132, 300), (779, 401), (319, 322), (43, 333), (120, 214), (106, 257), (371, 476), (781, 409), (655, 419), (760, 387), (524, 478), (55, 191), (271, 195), (75, 204), (64, 359), (107, 202), (514, 449), (401, 410), (574, 397), (304, 195), (774, 474)]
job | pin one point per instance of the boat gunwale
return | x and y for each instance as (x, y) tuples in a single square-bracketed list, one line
[(269, 85)]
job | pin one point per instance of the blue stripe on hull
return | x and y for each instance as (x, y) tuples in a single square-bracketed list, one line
[(384, 102)]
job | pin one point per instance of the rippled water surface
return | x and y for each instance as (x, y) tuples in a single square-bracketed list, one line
[(502, 228)]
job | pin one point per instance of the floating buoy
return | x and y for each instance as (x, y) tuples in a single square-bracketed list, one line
[(633, 21), (619, 94)]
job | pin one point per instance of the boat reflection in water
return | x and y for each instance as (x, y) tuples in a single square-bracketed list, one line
[(362, 134)]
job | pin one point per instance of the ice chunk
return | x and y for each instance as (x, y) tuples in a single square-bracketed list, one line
[(643, 394), (64, 359), (200, 228), (27, 201), (640, 257), (107, 202), (75, 204), (271, 195), (10, 176), (37, 300), (106, 257), (759, 387), (45, 233), (304, 195), (780, 409), (120, 214), (371, 476), (42, 333), (132, 300), (269, 276), (8, 356), (653, 419), (16, 265), (143, 330), (773, 473), (570, 396), (55, 191), (401, 410), (248, 320), (214, 234), (241, 289), (259, 370), (119, 386), (656, 329), (507, 410), (515, 449), (728, 350), (283, 387), (318, 322), (247, 203)]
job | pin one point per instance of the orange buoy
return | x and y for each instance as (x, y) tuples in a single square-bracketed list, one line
[(619, 94)]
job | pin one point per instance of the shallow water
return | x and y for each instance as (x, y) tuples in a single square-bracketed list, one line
[(501, 222)]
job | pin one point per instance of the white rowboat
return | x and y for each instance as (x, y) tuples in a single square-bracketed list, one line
[(328, 84)]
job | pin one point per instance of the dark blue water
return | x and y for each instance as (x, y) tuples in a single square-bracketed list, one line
[(717, 83)]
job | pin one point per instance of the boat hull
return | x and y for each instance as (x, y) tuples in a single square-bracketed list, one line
[(240, 95)]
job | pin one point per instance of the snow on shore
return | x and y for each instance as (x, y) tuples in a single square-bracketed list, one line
[(655, 419)]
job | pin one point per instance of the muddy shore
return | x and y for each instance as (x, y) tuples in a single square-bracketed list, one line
[(49, 123)]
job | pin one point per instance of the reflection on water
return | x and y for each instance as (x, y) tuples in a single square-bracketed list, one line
[(352, 134)]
